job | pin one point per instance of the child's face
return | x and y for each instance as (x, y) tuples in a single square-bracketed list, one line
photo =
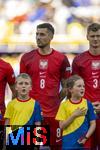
[(78, 89), (23, 86)]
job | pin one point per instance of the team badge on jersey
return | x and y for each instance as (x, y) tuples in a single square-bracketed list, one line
[(43, 64), (96, 64)]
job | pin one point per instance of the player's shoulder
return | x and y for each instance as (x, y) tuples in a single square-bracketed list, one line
[(29, 54), (59, 56), (56, 52), (83, 54), (4, 64)]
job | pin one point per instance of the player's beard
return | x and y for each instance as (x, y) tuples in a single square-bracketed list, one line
[(42, 46)]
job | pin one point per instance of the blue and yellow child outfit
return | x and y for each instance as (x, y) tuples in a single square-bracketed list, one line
[(79, 127), (23, 112)]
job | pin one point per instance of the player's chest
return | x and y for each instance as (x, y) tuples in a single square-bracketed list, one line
[(90, 67), (2, 74), (44, 65)]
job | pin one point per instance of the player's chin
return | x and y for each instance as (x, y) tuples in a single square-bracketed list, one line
[(42, 45), (39, 44)]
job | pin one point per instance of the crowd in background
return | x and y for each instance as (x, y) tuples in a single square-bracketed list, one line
[(22, 16)]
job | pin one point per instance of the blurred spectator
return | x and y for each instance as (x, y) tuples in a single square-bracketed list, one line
[(20, 17), (76, 3)]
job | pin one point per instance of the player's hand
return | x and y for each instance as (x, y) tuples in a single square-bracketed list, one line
[(80, 112), (96, 106)]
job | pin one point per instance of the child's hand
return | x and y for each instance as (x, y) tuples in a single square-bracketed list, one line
[(80, 112), (82, 140)]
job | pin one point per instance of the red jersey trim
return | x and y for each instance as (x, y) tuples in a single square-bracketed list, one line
[(93, 55), (76, 101), (23, 100), (46, 54)]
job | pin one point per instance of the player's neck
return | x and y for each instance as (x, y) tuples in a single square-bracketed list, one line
[(94, 51), (45, 51)]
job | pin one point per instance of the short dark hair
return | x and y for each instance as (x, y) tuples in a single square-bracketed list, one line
[(46, 25), (93, 27)]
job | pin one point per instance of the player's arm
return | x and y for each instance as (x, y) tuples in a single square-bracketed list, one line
[(65, 73), (12, 87), (22, 65), (75, 66), (63, 89), (11, 80)]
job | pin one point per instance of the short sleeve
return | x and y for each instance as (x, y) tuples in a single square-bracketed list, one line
[(37, 112), (91, 113), (65, 68), (9, 111), (22, 65), (61, 114), (10, 75), (75, 66)]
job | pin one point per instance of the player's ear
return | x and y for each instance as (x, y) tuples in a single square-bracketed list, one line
[(16, 87), (51, 35), (87, 36)]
